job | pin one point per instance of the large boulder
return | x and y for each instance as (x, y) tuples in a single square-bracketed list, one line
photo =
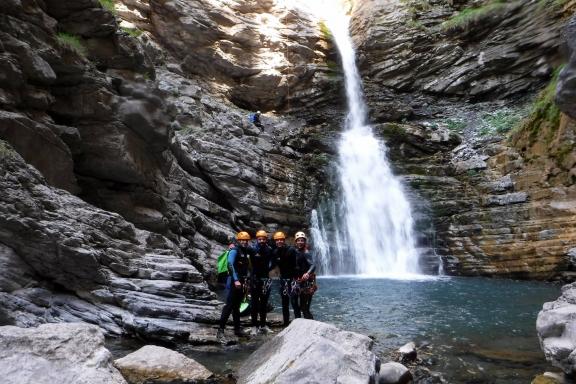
[(56, 353), (394, 373), (312, 352), (556, 326), (152, 364)]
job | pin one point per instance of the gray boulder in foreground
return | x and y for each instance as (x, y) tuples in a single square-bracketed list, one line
[(72, 353), (394, 373), (309, 351), (152, 364), (556, 327)]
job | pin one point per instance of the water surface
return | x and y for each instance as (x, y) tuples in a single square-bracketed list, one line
[(479, 330)]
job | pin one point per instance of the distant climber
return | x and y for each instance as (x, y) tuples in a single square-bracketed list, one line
[(255, 119)]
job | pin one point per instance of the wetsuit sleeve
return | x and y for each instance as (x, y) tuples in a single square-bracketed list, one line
[(231, 260), (311, 263)]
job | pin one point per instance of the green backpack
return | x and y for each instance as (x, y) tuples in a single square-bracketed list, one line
[(223, 263)]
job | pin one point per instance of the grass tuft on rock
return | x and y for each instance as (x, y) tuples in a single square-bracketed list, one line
[(134, 32), (109, 5), (72, 42), (326, 32), (465, 18), (555, 4), (543, 111)]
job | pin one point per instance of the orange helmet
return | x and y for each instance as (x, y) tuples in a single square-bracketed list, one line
[(279, 235), (243, 236), (261, 233)]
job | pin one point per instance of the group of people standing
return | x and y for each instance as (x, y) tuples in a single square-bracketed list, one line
[(252, 267)]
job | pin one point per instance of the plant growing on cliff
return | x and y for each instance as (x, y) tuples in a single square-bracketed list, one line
[(325, 30), (455, 125), (71, 42), (108, 5), (134, 32), (556, 4), (544, 111), (465, 18), (502, 121)]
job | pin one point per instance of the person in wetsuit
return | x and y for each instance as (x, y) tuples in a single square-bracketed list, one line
[(261, 261), (237, 283), (284, 257), (304, 275)]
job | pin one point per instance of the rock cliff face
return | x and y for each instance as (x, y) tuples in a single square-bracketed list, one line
[(144, 127), (145, 162), (497, 207)]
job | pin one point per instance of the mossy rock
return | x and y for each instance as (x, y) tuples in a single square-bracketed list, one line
[(6, 150), (393, 131), (541, 379)]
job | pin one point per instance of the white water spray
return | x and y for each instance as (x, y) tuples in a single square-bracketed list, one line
[(377, 219)]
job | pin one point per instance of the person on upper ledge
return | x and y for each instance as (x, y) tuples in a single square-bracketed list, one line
[(255, 119)]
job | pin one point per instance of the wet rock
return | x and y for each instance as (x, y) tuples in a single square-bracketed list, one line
[(56, 353), (394, 373), (408, 352), (311, 351), (154, 365), (572, 257)]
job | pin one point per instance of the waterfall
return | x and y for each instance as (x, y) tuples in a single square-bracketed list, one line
[(377, 221)]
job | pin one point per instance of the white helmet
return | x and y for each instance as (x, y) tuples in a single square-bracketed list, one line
[(300, 235)]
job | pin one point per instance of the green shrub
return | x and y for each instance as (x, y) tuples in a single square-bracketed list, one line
[(415, 24), (326, 32), (553, 3), (134, 32), (72, 42), (543, 111), (455, 125), (502, 121), (108, 5), (463, 19)]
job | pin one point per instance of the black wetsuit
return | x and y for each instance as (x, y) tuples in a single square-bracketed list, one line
[(238, 270), (261, 261), (257, 121), (285, 259), (304, 265)]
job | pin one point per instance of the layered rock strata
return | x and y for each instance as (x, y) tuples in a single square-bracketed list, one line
[(492, 209), (64, 260), (132, 128)]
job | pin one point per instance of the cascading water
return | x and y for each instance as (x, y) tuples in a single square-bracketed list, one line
[(377, 218)]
